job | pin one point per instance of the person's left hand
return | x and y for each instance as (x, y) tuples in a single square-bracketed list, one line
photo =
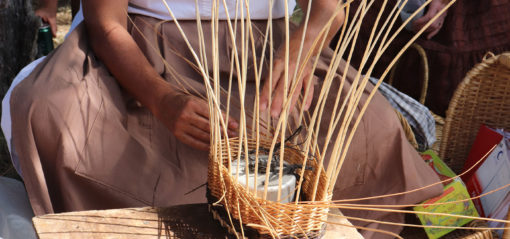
[(277, 87), (321, 13), (50, 16), (434, 8)]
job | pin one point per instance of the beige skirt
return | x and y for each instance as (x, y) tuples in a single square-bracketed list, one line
[(84, 143)]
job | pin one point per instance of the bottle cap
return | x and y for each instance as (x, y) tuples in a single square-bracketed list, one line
[(42, 23)]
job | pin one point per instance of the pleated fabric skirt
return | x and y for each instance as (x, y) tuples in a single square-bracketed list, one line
[(84, 143)]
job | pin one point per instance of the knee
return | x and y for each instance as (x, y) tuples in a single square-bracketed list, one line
[(44, 114)]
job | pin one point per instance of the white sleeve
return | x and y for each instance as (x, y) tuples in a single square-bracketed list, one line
[(78, 18), (6, 108)]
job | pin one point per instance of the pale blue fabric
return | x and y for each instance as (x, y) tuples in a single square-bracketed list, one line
[(410, 7), (15, 211)]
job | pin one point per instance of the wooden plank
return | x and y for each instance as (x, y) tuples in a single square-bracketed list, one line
[(186, 221), (340, 227)]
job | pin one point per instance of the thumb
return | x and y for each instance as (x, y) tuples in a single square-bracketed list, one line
[(53, 26), (421, 21)]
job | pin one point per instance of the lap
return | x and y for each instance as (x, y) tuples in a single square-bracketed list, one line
[(79, 132)]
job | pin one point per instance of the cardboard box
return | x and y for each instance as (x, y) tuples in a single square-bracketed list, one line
[(485, 139), (492, 174), (453, 191)]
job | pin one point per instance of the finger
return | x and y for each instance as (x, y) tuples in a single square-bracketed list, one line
[(194, 143), (418, 26), (434, 29), (278, 96), (296, 94), (433, 33), (231, 126), (197, 133), (232, 133), (420, 22), (309, 97), (232, 123), (200, 122), (278, 68), (53, 26), (433, 9), (200, 107), (429, 29)]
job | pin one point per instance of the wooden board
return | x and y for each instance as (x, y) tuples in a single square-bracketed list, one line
[(185, 221)]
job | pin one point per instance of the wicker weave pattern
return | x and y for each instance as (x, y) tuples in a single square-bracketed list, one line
[(472, 234), (286, 219), (482, 98)]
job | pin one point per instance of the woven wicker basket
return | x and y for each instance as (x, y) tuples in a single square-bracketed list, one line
[(483, 97), (288, 220), (471, 234)]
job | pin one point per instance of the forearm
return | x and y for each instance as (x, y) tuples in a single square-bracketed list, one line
[(126, 62), (119, 52), (50, 5), (321, 13)]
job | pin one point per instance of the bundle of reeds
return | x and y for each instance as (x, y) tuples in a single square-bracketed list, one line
[(268, 148)]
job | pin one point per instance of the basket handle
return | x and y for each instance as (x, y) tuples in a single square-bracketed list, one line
[(504, 59), (425, 83), (488, 55)]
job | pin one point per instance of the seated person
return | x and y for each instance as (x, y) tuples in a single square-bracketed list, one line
[(454, 43), (100, 123)]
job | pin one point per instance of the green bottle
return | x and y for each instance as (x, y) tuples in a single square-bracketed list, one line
[(44, 39)]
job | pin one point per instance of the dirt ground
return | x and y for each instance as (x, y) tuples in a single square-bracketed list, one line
[(64, 19)]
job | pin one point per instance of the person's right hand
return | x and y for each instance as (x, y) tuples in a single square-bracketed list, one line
[(188, 118), (434, 8), (50, 16)]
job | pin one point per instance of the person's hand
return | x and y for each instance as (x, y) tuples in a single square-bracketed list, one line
[(50, 16), (434, 8), (187, 117), (278, 80), (321, 13)]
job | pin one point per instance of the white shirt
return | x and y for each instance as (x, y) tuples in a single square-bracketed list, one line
[(185, 9)]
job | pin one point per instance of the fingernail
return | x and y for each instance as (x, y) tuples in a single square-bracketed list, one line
[(263, 106), (275, 113)]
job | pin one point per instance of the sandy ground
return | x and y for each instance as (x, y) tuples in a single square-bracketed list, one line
[(64, 19)]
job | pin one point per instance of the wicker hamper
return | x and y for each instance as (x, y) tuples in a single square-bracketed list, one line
[(483, 97)]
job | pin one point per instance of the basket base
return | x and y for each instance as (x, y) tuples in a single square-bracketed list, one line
[(220, 214)]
